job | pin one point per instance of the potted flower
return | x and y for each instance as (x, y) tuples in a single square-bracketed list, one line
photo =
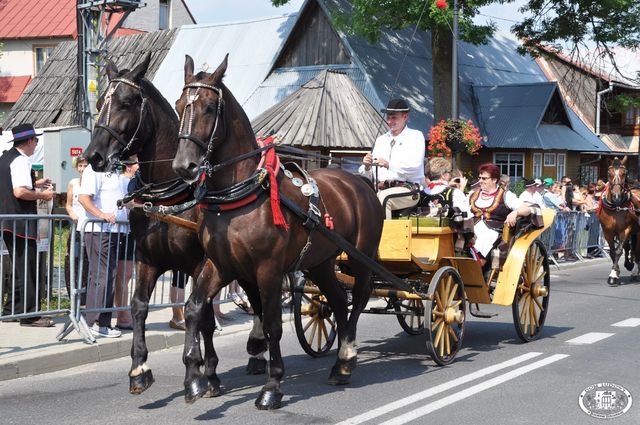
[(453, 135)]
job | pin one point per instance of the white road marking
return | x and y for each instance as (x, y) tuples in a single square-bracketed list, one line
[(382, 410), (468, 392), (590, 338), (629, 323)]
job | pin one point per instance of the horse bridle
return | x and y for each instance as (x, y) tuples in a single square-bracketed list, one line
[(188, 107), (125, 146), (623, 186)]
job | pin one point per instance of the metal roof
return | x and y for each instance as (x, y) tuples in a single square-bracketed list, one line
[(329, 111), (252, 47), (621, 144), (508, 122), (37, 18)]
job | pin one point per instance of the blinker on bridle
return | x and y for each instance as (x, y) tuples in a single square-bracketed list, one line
[(125, 146), (192, 96)]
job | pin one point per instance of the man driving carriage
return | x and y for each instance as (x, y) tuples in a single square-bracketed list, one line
[(395, 163)]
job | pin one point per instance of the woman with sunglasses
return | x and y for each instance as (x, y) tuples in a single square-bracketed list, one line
[(492, 207)]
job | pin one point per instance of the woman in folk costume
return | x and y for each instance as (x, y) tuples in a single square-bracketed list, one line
[(492, 207)]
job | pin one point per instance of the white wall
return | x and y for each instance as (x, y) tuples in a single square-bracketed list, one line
[(18, 57)]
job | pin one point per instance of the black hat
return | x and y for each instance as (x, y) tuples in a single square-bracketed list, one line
[(396, 105), (23, 132), (532, 183)]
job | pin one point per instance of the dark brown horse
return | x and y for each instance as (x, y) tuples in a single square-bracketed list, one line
[(244, 243), (619, 221), (136, 119)]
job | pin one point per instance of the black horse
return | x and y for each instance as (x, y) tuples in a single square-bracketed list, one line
[(218, 147), (136, 119)]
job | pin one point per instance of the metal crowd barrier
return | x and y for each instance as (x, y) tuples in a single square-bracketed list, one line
[(573, 236), (32, 287)]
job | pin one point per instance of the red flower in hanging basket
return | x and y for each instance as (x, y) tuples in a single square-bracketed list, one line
[(460, 135), (441, 4)]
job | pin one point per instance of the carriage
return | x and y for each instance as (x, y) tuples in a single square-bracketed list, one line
[(421, 253)]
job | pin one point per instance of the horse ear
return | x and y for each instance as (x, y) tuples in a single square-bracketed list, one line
[(112, 69), (624, 160), (188, 68), (140, 70), (219, 72)]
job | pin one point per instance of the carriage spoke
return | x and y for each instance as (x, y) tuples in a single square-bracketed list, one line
[(309, 323), (453, 334), (439, 333), (452, 294), (313, 331), (436, 324), (538, 303), (447, 341)]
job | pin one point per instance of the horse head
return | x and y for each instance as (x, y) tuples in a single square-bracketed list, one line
[(121, 123), (618, 187), (212, 123)]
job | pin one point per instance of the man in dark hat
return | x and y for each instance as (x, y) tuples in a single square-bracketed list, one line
[(532, 192), (18, 196), (396, 162)]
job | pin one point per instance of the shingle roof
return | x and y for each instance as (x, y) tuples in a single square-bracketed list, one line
[(510, 122), (329, 111), (37, 18), (12, 87), (49, 100)]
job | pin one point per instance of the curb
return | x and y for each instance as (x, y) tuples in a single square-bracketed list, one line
[(586, 263)]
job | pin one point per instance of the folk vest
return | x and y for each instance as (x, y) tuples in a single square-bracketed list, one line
[(9, 204), (495, 214), (443, 199)]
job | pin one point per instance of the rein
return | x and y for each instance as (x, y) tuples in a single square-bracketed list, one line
[(126, 146)]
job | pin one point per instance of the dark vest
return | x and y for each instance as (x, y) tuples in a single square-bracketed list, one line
[(494, 215), (9, 204), (444, 199)]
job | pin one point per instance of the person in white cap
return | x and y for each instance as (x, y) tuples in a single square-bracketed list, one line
[(396, 162)]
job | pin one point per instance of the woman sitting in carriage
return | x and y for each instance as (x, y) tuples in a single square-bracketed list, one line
[(492, 207)]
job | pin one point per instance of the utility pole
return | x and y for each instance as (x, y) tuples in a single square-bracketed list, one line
[(95, 28), (454, 75)]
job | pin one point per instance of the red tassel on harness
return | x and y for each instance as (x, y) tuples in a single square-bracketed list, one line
[(328, 221), (271, 163)]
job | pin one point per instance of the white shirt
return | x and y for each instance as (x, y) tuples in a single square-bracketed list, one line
[(532, 198), (21, 171), (106, 189), (75, 204), (458, 197), (405, 153)]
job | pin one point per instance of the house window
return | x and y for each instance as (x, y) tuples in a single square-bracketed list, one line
[(537, 165), (632, 117), (164, 14), (562, 165), (511, 164), (549, 159), (588, 174), (41, 54)]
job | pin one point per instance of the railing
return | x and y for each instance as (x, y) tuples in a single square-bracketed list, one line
[(573, 237)]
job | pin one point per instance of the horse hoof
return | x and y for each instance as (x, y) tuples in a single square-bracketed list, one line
[(613, 281), (138, 384), (269, 400), (213, 389), (196, 389), (341, 372), (628, 265), (256, 366)]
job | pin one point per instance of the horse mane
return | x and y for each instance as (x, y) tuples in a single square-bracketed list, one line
[(152, 92)]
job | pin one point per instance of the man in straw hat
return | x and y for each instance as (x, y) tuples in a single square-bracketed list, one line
[(18, 196), (396, 162)]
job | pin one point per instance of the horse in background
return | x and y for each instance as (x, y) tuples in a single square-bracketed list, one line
[(619, 220), (135, 119), (250, 238)]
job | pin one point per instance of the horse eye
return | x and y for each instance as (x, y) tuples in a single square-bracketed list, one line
[(211, 108)]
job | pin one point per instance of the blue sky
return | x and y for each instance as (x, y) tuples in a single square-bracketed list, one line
[(213, 11)]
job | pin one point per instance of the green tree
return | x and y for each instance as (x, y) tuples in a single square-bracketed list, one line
[(571, 25)]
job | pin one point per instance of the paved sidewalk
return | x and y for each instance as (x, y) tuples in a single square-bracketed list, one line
[(32, 351)]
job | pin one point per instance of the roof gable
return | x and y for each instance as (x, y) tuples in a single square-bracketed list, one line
[(328, 111)]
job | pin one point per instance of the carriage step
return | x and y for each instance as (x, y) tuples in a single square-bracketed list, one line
[(475, 312)]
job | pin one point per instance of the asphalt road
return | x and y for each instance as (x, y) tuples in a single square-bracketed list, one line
[(495, 379)]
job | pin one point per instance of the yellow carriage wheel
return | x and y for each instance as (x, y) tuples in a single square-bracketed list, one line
[(410, 314), (314, 321), (531, 300), (445, 315)]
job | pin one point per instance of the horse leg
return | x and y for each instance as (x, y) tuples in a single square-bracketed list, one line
[(270, 280), (324, 277), (195, 383), (140, 375), (207, 328), (615, 251), (256, 343), (628, 261)]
